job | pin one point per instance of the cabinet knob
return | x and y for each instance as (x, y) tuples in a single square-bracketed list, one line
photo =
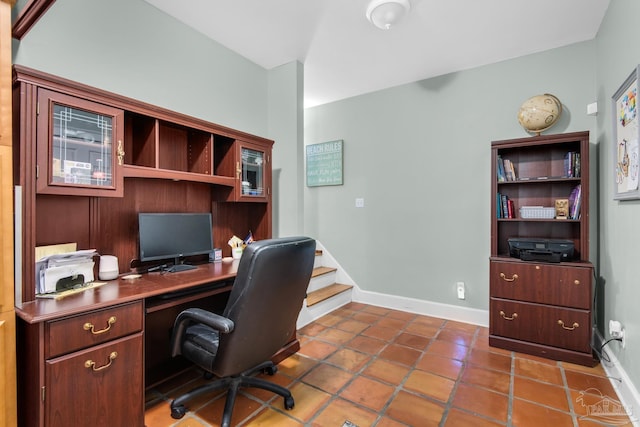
[(505, 317), (576, 282), (238, 170), (568, 328), (90, 327), (507, 279), (90, 364)]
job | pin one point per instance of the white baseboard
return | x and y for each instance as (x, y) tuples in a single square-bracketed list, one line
[(622, 384), (427, 308)]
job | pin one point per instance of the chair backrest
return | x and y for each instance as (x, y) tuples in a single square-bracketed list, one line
[(265, 301)]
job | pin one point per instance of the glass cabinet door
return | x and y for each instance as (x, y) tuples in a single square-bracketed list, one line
[(79, 149), (252, 170)]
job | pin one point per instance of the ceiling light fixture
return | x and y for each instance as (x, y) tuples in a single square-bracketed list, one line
[(384, 14)]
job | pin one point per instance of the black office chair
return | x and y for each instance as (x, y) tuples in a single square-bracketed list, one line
[(259, 319)]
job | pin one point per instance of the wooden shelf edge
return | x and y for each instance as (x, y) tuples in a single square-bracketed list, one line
[(131, 171)]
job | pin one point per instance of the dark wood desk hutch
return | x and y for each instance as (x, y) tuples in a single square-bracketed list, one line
[(538, 307), (86, 162)]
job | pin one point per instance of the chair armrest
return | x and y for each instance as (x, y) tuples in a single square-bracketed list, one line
[(197, 315)]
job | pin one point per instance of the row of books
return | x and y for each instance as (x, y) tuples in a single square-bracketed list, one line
[(504, 207), (572, 164), (506, 171)]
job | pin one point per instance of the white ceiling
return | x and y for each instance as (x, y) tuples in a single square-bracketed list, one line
[(344, 55)]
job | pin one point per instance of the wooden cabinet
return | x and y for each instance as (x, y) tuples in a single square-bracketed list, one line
[(90, 372), (79, 146), (541, 307), (86, 162), (148, 158)]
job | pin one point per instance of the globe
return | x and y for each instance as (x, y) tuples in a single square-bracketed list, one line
[(539, 113)]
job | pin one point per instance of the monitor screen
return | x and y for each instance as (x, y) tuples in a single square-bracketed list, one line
[(174, 235)]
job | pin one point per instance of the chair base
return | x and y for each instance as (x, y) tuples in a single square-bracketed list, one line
[(233, 384)]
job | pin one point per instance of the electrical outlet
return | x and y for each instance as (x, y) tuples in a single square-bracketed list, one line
[(460, 289), (616, 330), (359, 202)]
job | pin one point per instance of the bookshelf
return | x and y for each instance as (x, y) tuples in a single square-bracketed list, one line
[(538, 307)]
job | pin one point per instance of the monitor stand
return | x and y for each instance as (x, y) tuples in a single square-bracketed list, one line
[(177, 267)]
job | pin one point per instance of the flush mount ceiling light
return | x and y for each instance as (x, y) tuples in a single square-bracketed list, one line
[(384, 14)]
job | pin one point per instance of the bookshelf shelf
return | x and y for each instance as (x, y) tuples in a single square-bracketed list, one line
[(529, 175)]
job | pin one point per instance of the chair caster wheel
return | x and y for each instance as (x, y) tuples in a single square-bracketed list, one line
[(178, 412), (289, 403), (271, 370)]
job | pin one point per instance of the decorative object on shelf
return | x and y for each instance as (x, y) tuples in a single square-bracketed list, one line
[(625, 139), (539, 113), (385, 14), (562, 208)]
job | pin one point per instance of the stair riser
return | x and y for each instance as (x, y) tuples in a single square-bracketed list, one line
[(321, 281), (309, 314)]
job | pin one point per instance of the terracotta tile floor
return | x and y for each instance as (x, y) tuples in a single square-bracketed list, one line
[(378, 367)]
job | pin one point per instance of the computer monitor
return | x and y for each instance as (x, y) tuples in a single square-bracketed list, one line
[(164, 236)]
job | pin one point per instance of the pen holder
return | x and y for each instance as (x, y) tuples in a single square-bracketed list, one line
[(236, 253)]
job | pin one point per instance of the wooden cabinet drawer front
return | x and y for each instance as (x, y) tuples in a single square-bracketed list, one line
[(559, 327), (99, 386), (568, 286), (74, 333)]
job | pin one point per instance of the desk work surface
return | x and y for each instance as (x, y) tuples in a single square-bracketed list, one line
[(125, 290)]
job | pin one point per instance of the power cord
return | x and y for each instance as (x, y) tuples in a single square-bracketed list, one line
[(602, 353)]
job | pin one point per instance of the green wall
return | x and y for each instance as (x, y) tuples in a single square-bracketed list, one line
[(419, 154), (131, 48), (619, 235)]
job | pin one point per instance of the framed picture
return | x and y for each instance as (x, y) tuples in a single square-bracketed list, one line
[(626, 134), (324, 163)]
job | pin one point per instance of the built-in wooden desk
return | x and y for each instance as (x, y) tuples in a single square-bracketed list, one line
[(90, 356), (121, 291)]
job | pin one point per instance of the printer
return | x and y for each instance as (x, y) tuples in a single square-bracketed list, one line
[(546, 250)]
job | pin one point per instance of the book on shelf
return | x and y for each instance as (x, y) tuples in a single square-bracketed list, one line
[(575, 200), (572, 165), (508, 170), (504, 207), (500, 169)]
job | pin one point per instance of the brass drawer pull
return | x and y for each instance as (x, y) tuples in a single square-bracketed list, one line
[(506, 279), (571, 328), (90, 327), (505, 317), (91, 364)]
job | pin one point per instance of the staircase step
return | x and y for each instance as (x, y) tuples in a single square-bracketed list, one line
[(319, 271), (325, 293)]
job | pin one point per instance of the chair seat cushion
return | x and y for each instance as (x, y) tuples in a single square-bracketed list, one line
[(201, 345)]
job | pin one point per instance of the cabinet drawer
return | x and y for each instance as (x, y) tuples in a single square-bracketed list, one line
[(101, 386), (564, 285), (559, 327), (74, 333)]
